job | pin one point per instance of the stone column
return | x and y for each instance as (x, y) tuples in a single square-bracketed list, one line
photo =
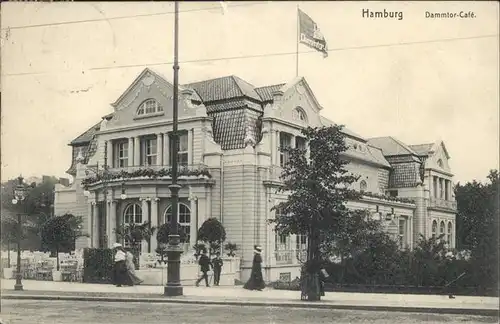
[(159, 143), (190, 146), (154, 222), (131, 161), (276, 150), (409, 229), (95, 225), (108, 222), (137, 151), (193, 226), (145, 213), (112, 222), (90, 222), (166, 144), (110, 154)]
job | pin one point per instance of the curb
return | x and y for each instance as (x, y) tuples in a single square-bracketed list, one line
[(167, 300)]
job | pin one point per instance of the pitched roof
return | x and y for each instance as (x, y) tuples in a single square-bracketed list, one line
[(266, 92), (422, 149), (391, 146), (327, 122), (86, 136), (223, 88)]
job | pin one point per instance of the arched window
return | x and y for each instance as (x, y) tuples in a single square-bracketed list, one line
[(149, 106), (441, 228), (440, 163), (184, 219), (132, 214), (450, 229), (299, 114), (434, 228), (362, 185)]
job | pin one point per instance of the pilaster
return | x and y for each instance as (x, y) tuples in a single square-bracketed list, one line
[(95, 225), (137, 151), (154, 221), (145, 214), (159, 137), (112, 223), (131, 151)]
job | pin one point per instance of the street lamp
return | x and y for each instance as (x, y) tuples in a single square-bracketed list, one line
[(173, 287), (20, 194)]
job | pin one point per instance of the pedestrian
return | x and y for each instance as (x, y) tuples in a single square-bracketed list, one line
[(205, 264), (120, 276), (217, 265), (131, 268), (256, 281)]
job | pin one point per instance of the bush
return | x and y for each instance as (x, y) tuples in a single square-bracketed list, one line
[(97, 265)]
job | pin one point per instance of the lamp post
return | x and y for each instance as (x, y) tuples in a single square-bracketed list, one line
[(173, 287), (20, 194)]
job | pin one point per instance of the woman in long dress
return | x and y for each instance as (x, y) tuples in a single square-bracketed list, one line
[(256, 281), (131, 268), (120, 276)]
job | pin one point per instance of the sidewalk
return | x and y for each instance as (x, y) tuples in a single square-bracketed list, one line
[(471, 305)]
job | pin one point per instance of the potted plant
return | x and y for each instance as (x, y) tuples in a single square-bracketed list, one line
[(58, 234), (212, 232), (230, 249), (134, 234)]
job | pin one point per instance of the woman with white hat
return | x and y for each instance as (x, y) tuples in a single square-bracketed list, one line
[(120, 275), (256, 281)]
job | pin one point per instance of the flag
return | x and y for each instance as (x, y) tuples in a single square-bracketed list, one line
[(310, 34)]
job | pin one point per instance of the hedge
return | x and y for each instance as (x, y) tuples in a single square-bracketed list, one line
[(97, 265)]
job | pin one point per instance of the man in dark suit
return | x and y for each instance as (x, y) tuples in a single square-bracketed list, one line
[(205, 264), (217, 264)]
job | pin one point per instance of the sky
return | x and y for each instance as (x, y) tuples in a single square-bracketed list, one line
[(417, 79)]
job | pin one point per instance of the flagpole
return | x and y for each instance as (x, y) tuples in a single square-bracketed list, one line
[(297, 44)]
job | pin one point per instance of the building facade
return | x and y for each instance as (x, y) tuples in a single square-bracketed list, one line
[(230, 165)]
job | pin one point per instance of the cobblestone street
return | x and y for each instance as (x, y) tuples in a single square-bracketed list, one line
[(59, 312)]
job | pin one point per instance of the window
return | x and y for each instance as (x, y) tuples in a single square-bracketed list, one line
[(120, 154), (441, 188), (301, 243), (149, 106), (282, 242), (393, 193), (300, 143), (434, 229), (183, 151), (441, 228), (132, 215), (440, 163), (362, 186), (184, 220), (299, 114), (402, 233), (149, 151), (434, 186), (450, 229), (285, 142)]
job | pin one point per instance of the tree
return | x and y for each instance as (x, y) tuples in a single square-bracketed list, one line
[(135, 234), (59, 233), (318, 188), (36, 208), (477, 227), (164, 231), (231, 248), (213, 233), (9, 235)]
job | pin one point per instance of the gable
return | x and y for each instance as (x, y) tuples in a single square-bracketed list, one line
[(150, 87), (439, 158), (295, 103)]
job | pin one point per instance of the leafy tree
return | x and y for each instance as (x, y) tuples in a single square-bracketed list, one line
[(9, 235), (318, 189), (59, 233), (36, 208), (212, 232), (135, 234), (164, 231), (477, 227)]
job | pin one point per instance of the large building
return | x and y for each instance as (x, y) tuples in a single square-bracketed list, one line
[(230, 165)]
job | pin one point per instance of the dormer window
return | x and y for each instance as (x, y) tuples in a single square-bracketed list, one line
[(148, 107), (299, 114)]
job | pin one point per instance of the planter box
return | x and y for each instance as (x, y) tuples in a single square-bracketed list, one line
[(8, 273), (56, 275)]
